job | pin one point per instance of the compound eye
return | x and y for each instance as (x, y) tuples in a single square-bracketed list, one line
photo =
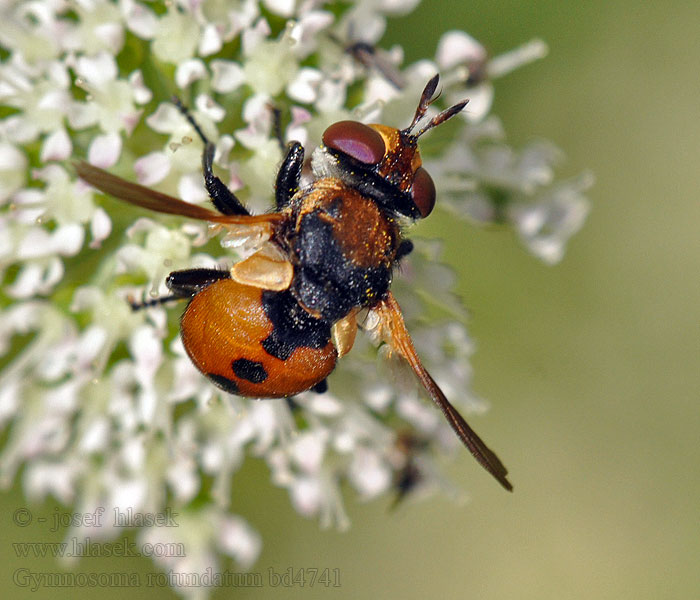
[(423, 192), (355, 139)]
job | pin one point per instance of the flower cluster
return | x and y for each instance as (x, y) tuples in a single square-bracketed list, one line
[(100, 405)]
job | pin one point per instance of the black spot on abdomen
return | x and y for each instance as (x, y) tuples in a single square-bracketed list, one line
[(226, 384), (249, 370), (292, 326)]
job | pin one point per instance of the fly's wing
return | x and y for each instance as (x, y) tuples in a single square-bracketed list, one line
[(394, 332), (268, 268), (144, 197)]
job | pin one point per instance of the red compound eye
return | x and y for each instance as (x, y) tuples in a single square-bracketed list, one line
[(355, 139), (423, 192)]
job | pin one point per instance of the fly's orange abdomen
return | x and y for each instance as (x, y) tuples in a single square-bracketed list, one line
[(256, 343)]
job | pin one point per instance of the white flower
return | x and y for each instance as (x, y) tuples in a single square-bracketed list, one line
[(176, 36), (307, 31), (369, 474), (493, 183), (112, 99), (13, 166), (468, 70), (270, 64), (99, 27), (228, 76), (40, 94), (547, 223)]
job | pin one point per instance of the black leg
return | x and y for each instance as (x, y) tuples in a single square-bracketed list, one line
[(404, 249), (183, 284), (321, 387), (187, 283), (152, 302), (277, 124), (224, 200), (288, 176)]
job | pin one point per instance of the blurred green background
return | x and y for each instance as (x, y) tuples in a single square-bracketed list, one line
[(591, 366)]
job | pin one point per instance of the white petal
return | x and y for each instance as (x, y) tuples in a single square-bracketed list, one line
[(11, 159), (228, 76), (56, 146), (368, 24), (91, 341), (256, 109), (68, 239), (240, 540), (223, 149), (100, 227), (142, 94), (284, 8), (418, 413), (111, 34), (19, 129), (304, 87), (152, 168), (252, 36), (397, 7), (37, 278), (480, 100), (9, 396), (306, 496), (505, 63), (183, 478), (324, 405), (133, 454), (206, 105), (368, 473), (13, 164), (97, 70), (189, 71), (58, 479), (28, 281), (58, 73), (210, 42), (308, 450), (458, 48), (243, 17), (378, 397), (296, 130), (35, 243), (54, 100), (331, 96), (105, 149), (166, 119), (147, 349), (128, 494), (52, 275), (95, 437), (265, 421), (306, 30), (191, 188), (82, 114), (141, 20)]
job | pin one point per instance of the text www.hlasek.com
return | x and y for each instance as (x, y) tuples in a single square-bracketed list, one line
[(88, 548)]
